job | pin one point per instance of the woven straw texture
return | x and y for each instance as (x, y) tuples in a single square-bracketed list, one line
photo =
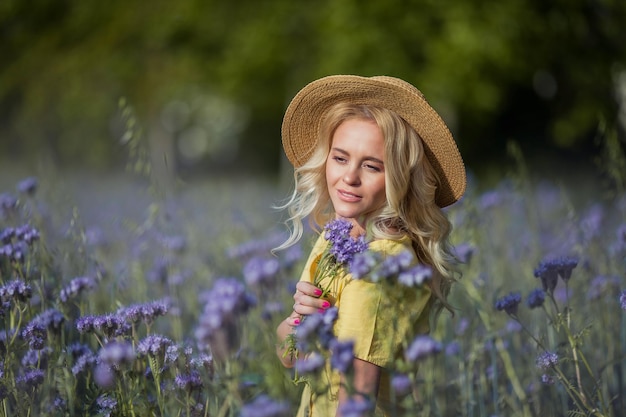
[(301, 124)]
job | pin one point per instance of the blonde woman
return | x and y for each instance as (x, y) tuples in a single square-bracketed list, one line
[(371, 151)]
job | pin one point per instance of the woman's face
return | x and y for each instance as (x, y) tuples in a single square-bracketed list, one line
[(355, 171)]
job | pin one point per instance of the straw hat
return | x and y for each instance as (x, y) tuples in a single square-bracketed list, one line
[(301, 124)]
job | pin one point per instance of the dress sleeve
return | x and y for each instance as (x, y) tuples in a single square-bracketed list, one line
[(381, 318)]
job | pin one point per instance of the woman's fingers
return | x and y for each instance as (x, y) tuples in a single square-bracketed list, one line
[(306, 304), (308, 289)]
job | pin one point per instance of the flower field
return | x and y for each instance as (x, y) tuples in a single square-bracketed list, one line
[(156, 304)]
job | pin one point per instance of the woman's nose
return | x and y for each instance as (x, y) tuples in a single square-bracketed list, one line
[(351, 176)]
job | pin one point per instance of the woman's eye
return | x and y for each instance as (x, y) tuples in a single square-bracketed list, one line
[(374, 168), (339, 159)]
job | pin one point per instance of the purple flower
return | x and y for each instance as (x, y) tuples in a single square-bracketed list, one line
[(189, 382), (622, 299), (36, 358), (415, 276), (154, 345), (225, 303), (75, 287), (259, 270), (16, 290), (7, 235), (462, 326), (547, 360), (509, 303), (106, 403), (393, 265), (27, 186), (362, 264), (310, 364), (264, 406), (27, 234), (536, 298), (50, 319), (146, 312), (83, 362), (117, 354), (343, 246), (111, 325), (464, 252), (549, 270), (422, 347), (8, 202), (401, 384), (547, 379), (342, 355), (30, 379), (35, 334), (85, 324), (353, 407)]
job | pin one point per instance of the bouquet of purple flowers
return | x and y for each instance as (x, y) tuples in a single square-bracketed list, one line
[(334, 262)]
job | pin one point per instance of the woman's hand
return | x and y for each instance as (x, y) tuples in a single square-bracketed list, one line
[(307, 300)]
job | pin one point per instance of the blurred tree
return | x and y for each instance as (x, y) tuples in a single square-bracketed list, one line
[(538, 72)]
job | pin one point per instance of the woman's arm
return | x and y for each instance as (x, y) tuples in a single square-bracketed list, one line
[(363, 387)]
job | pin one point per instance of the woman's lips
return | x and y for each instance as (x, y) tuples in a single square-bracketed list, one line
[(348, 196)]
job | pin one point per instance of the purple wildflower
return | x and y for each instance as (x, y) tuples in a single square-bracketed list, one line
[(536, 298), (50, 319), (35, 334), (361, 407), (27, 186), (342, 355), (415, 276), (547, 379), (154, 345), (422, 347), (509, 303), (189, 382), (36, 358), (264, 406), (111, 325), (85, 324), (401, 384), (362, 264), (16, 290), (547, 360), (83, 362), (75, 287), (259, 270), (462, 326), (464, 252), (343, 246), (310, 364), (176, 244), (225, 303), (393, 265), (106, 404), (146, 312), (117, 354), (27, 234), (622, 299), (30, 379), (7, 235), (8, 202), (549, 270)]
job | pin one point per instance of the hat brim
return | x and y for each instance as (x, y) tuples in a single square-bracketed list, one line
[(302, 120)]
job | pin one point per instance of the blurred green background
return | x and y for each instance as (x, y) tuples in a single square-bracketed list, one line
[(204, 83)]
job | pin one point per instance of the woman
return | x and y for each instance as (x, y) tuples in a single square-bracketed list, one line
[(371, 151)]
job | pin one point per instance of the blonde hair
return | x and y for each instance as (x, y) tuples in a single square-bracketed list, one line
[(410, 185)]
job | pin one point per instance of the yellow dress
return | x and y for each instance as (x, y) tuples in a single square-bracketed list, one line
[(380, 319)]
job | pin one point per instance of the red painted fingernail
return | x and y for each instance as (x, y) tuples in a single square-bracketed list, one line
[(296, 321), (318, 292), (325, 304)]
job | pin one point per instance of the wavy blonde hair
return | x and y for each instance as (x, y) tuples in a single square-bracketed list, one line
[(410, 185)]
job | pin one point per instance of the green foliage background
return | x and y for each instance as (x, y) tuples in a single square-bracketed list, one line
[(541, 73)]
